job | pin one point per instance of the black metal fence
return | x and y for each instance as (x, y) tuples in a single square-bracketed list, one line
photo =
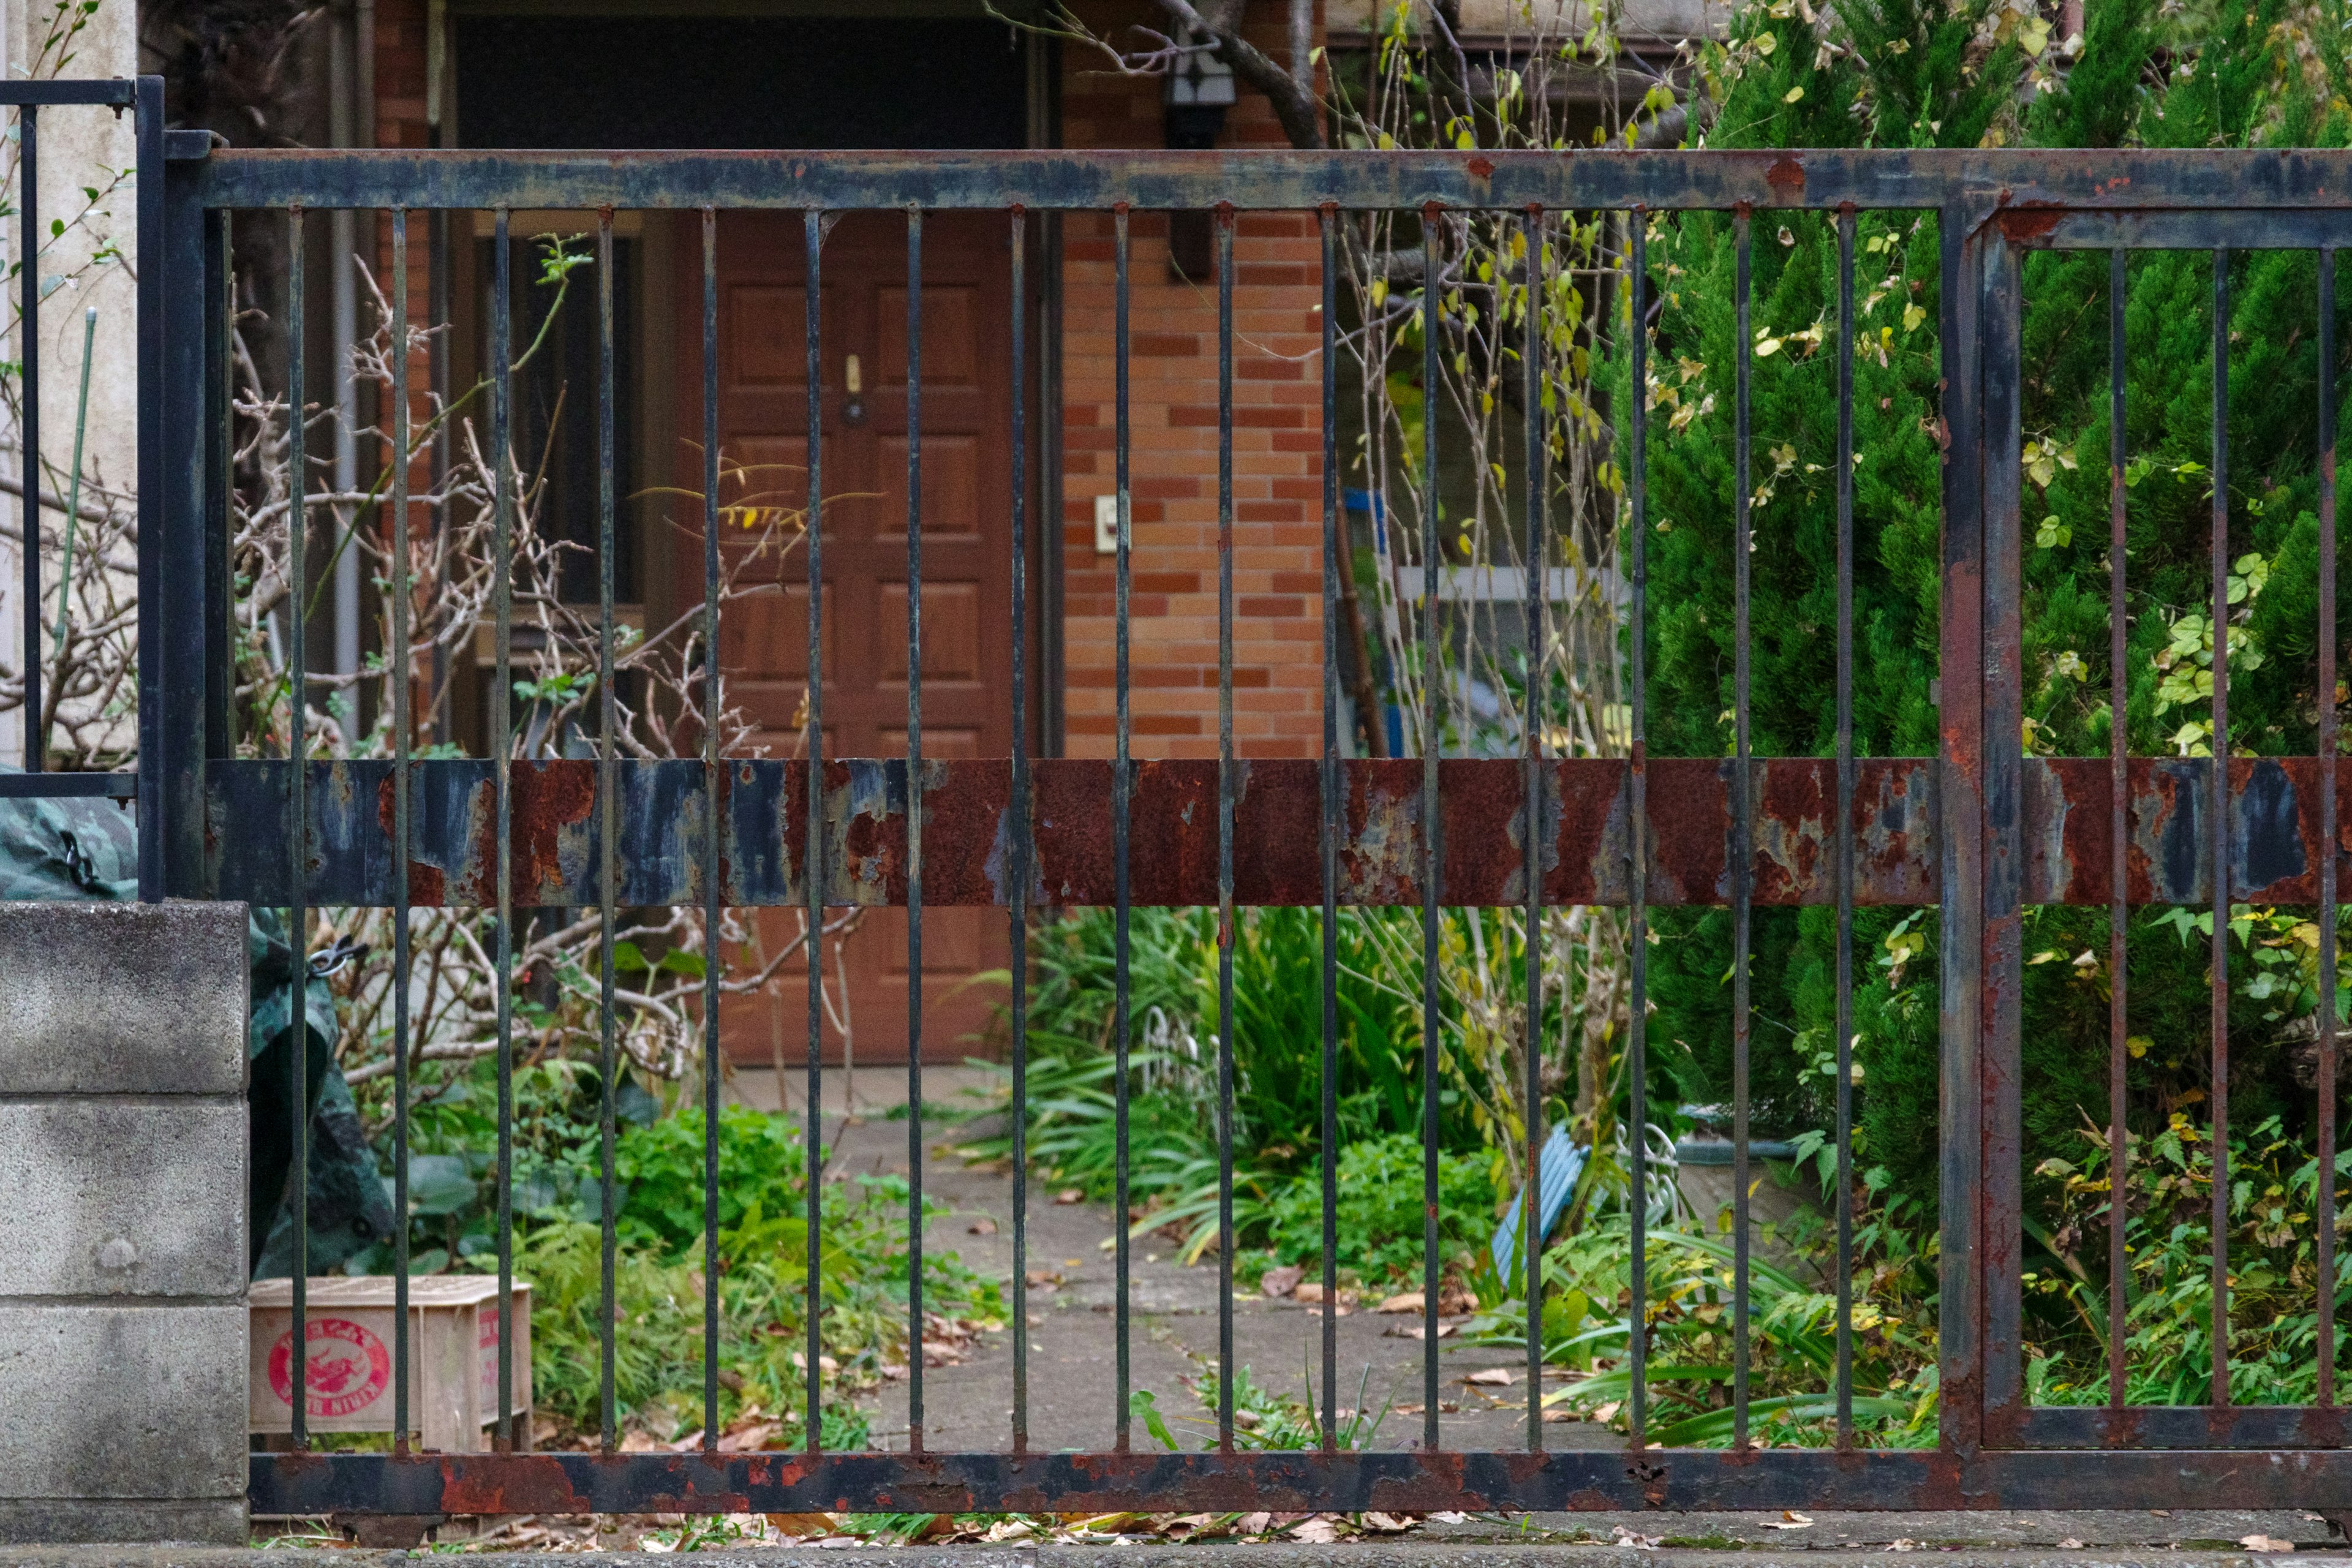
[(1979, 832)]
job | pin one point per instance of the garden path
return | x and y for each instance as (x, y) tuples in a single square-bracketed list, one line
[(1172, 1336)]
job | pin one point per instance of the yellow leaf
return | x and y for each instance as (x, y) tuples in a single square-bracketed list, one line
[(1793, 94), (1912, 316)]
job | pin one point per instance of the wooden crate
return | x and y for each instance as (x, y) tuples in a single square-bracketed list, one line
[(453, 1346)]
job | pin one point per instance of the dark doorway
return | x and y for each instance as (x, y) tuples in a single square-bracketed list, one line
[(739, 81)]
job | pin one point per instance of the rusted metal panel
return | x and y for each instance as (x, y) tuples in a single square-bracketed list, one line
[(2256, 188), (2186, 1426), (1403, 1482), (2275, 839), (1585, 856), (968, 832)]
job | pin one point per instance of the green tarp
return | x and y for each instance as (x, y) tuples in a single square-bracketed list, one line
[(88, 849)]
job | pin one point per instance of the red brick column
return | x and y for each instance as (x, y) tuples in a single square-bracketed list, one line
[(1278, 448)]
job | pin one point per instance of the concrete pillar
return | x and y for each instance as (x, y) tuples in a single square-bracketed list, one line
[(122, 1249)]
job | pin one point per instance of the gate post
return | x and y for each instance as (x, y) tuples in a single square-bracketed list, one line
[(2001, 1177), (173, 644), (1981, 715), (1961, 796)]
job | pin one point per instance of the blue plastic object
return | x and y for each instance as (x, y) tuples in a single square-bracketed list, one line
[(1556, 1173)]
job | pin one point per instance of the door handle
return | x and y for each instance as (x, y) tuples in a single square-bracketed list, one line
[(853, 381)]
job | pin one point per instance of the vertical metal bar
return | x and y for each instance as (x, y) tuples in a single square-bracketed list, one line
[(1741, 849), (2218, 828), (1433, 729), (1224, 219), (437, 371), (2326, 749), (1531, 723), (298, 836), (399, 698), (501, 750), (2118, 846), (1637, 819), (712, 782), (915, 829), (1845, 831), (1328, 368), (219, 449), (28, 414), (1998, 1265), (172, 460), (1022, 864), (1960, 835), (608, 851), (1119, 803)]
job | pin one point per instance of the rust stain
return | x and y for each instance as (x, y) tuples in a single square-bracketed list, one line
[(2025, 224), (1380, 860), (1786, 176), (1481, 168), (552, 803)]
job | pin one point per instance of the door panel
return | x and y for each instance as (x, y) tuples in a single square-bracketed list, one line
[(967, 556)]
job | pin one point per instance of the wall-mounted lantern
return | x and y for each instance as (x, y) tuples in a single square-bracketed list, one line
[(1199, 90)]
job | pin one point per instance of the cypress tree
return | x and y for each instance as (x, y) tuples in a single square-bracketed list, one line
[(1896, 73)]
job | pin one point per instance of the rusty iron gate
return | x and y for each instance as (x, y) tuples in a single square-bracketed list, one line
[(1980, 831)]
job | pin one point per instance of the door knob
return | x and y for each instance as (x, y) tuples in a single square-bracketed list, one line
[(853, 381)]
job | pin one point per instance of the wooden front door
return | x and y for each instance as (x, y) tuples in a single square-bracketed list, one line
[(967, 561)]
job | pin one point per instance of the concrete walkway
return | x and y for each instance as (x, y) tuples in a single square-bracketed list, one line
[(1173, 1324)]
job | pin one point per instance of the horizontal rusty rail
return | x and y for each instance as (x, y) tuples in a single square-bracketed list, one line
[(1276, 857), (2243, 183), (1403, 1482)]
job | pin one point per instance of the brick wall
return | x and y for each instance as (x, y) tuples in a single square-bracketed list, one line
[(1278, 448)]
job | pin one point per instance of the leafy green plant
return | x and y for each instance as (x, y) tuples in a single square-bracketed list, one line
[(2274, 1285), (1379, 1217)]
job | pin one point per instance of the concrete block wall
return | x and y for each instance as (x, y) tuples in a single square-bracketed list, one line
[(122, 1249)]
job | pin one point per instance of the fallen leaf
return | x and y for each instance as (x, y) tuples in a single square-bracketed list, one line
[(1252, 1523), (1388, 1523), (1402, 1302), (635, 1441), (1492, 1377), (983, 1226), (1448, 1517), (1639, 1543), (1280, 1282), (749, 1439), (802, 1523), (2070, 1544), (1071, 1195), (2264, 1543), (1902, 1543), (1319, 1530), (891, 1370), (1415, 1332), (1789, 1520)]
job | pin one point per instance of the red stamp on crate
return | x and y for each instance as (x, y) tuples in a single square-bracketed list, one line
[(345, 1367)]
